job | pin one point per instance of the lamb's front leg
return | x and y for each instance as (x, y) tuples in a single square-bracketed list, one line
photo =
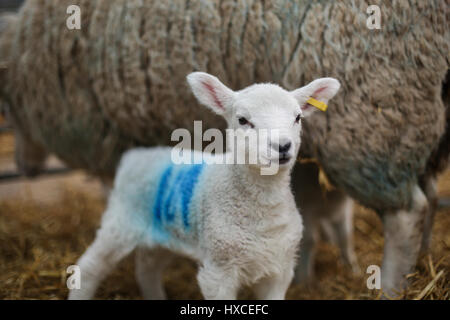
[(275, 287), (217, 282)]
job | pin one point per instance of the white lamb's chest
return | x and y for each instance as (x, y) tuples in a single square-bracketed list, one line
[(260, 247)]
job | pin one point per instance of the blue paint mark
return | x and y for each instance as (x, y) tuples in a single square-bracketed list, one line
[(174, 195), (169, 207), (161, 189), (189, 181)]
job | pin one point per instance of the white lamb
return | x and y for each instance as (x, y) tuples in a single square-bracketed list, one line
[(241, 226)]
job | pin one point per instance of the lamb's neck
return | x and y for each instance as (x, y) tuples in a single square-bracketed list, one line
[(268, 190)]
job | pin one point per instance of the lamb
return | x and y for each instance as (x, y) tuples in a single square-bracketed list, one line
[(242, 226), (117, 83)]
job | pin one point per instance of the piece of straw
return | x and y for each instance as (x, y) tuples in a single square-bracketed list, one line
[(432, 270), (429, 286)]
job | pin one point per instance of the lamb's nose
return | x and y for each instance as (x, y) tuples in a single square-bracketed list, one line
[(283, 148)]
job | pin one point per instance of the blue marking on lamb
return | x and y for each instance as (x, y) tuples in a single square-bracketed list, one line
[(174, 196)]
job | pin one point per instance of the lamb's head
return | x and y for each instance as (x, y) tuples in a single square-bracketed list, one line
[(266, 111)]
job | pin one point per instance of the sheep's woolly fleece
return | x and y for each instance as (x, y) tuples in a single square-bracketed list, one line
[(88, 95)]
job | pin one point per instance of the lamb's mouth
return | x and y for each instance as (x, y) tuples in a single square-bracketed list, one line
[(284, 160)]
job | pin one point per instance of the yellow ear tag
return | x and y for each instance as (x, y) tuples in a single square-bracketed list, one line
[(318, 104)]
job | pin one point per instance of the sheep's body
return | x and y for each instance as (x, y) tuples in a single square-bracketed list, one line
[(89, 95)]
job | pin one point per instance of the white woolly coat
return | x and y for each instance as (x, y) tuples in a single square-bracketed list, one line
[(244, 220)]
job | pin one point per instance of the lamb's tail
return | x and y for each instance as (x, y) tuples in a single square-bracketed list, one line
[(441, 156)]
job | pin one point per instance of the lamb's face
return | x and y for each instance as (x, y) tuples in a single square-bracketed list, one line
[(265, 115), (272, 117)]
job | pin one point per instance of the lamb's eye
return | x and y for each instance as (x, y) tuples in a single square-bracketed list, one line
[(297, 120), (243, 121)]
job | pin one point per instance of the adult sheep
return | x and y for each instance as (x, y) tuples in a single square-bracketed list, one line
[(88, 95)]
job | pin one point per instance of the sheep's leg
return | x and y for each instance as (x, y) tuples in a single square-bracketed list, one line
[(99, 260), (304, 272), (216, 283), (429, 187), (343, 227), (274, 288), (402, 238), (150, 265)]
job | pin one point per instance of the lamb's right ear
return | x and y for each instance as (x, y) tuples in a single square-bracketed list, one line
[(210, 92)]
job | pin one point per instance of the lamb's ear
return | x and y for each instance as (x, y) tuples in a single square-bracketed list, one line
[(322, 89), (211, 92)]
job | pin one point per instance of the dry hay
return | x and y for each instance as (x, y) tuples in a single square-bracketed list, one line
[(39, 241)]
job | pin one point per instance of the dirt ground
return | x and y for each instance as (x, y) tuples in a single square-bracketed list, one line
[(46, 224)]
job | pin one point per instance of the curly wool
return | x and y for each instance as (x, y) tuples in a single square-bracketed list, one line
[(89, 95)]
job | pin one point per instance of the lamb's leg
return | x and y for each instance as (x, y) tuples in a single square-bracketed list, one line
[(343, 227), (99, 260), (150, 265), (216, 283), (328, 230), (402, 238), (429, 187), (274, 288), (304, 272)]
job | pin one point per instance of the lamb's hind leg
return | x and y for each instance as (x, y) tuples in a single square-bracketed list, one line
[(150, 265), (304, 273), (343, 227), (100, 259), (402, 238)]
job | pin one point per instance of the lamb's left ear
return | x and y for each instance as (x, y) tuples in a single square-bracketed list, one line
[(322, 89), (211, 92)]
